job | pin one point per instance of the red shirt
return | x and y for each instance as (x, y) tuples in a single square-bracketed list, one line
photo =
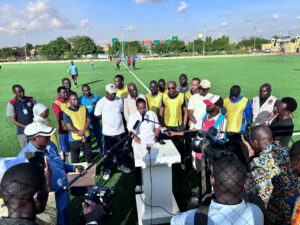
[(59, 115)]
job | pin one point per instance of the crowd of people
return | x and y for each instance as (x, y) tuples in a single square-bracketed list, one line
[(262, 191)]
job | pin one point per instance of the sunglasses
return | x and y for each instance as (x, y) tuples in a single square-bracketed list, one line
[(171, 88)]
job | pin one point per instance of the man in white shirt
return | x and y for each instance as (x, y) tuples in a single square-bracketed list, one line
[(263, 105), (228, 208), (146, 132), (196, 106), (129, 101), (109, 109)]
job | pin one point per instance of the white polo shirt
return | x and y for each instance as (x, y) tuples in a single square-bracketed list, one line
[(111, 112), (242, 213), (198, 106), (145, 129)]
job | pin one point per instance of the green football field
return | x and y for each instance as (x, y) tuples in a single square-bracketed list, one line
[(41, 81)]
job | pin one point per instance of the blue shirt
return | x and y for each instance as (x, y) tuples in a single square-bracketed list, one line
[(89, 102), (59, 170), (247, 114), (73, 69)]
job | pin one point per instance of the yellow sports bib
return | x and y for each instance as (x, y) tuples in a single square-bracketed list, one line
[(234, 114), (173, 110), (154, 102), (78, 119)]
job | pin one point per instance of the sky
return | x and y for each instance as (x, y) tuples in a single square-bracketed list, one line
[(40, 21)]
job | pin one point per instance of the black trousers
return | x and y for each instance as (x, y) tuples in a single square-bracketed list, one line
[(76, 147), (178, 141)]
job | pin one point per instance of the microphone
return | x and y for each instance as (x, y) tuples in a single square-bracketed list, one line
[(143, 117), (132, 131)]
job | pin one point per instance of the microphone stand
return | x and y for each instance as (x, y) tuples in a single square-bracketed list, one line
[(85, 171)]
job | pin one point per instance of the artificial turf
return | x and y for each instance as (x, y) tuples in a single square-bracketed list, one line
[(41, 81)]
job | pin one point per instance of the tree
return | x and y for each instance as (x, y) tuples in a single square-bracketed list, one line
[(83, 45), (177, 46), (160, 49), (249, 43), (132, 48), (99, 50), (115, 49), (55, 48), (221, 44), (7, 52)]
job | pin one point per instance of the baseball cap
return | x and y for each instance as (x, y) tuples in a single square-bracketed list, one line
[(214, 100), (205, 84), (38, 129), (111, 88)]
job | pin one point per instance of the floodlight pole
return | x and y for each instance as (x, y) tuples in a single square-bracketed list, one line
[(25, 50), (194, 46), (254, 39), (203, 42), (122, 37)]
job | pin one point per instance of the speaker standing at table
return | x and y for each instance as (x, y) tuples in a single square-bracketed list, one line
[(155, 160), (146, 132)]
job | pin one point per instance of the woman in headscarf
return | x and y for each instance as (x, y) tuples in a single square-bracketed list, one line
[(41, 115)]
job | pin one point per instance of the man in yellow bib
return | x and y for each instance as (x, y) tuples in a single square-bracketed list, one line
[(237, 110), (122, 90), (154, 98), (77, 119), (174, 113)]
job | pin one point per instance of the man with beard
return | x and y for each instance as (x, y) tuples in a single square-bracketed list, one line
[(162, 86), (194, 89), (196, 106), (129, 102), (263, 105)]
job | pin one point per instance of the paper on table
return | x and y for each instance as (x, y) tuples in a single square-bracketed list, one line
[(87, 180)]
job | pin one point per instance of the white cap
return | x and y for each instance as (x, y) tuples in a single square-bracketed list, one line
[(38, 129), (205, 84), (110, 88)]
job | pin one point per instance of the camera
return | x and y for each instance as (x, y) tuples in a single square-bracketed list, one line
[(207, 142), (201, 139), (101, 196)]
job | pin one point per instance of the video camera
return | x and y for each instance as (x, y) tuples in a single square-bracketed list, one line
[(213, 148), (101, 196)]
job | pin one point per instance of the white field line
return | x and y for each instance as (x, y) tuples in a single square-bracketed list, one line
[(136, 77)]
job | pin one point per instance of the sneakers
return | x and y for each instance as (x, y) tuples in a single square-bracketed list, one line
[(124, 169), (106, 175)]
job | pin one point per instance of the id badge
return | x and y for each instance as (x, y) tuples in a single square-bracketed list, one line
[(25, 112)]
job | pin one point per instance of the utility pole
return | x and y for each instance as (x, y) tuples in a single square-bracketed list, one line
[(254, 49), (122, 37), (203, 42), (25, 50)]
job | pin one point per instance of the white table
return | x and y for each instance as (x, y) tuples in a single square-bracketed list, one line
[(162, 158)]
